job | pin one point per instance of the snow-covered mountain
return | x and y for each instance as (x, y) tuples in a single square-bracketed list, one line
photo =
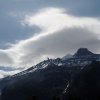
[(46, 79), (81, 58)]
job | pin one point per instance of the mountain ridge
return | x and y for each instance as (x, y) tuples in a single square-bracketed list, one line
[(47, 79), (76, 59)]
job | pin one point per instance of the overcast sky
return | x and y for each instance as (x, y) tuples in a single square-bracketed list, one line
[(32, 30)]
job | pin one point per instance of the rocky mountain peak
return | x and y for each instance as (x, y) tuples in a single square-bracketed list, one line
[(83, 52)]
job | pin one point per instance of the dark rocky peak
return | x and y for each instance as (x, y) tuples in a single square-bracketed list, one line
[(83, 52)]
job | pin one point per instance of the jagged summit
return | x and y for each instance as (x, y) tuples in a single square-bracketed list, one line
[(83, 52)]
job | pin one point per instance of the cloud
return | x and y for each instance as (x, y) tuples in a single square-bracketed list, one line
[(8, 73), (55, 19), (5, 58), (60, 33)]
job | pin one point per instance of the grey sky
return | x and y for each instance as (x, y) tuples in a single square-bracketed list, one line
[(32, 30)]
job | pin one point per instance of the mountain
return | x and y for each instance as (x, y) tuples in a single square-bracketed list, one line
[(43, 83), (83, 52), (85, 85), (49, 79)]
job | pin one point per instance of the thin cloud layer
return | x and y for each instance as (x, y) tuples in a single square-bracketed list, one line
[(60, 33)]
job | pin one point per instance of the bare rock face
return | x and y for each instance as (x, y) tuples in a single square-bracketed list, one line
[(83, 52)]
